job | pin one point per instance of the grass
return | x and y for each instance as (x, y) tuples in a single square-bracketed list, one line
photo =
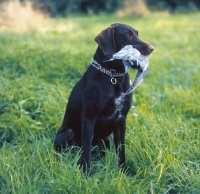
[(38, 70)]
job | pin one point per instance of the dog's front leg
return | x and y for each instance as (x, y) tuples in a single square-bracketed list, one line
[(93, 101), (119, 136), (86, 142)]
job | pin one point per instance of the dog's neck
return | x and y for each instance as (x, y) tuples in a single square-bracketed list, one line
[(117, 65)]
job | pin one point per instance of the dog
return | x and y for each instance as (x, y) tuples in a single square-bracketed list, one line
[(96, 107)]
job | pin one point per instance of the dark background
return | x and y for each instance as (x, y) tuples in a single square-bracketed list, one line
[(65, 7)]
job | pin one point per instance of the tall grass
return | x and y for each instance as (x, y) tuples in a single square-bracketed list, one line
[(38, 71)]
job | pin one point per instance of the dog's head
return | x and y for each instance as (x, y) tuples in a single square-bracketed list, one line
[(116, 36), (113, 38)]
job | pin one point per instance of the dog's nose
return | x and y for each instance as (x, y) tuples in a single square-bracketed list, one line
[(150, 49)]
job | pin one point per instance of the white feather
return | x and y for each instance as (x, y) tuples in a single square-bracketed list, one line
[(129, 56), (126, 53)]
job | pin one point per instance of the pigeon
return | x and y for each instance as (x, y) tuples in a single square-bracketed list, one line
[(131, 57), (127, 54), (138, 79)]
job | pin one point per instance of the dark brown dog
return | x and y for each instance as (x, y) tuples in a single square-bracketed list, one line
[(96, 107)]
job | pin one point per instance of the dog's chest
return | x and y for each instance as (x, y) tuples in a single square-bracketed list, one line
[(119, 106), (114, 109)]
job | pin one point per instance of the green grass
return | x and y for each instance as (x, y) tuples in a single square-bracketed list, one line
[(38, 71)]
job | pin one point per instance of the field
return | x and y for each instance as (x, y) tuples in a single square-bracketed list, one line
[(38, 69)]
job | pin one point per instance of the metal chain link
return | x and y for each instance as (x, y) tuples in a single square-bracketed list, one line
[(106, 71)]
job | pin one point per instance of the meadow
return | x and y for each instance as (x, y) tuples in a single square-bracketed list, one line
[(38, 69)]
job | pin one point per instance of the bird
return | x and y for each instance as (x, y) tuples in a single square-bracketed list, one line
[(143, 62), (127, 54), (131, 57), (138, 79)]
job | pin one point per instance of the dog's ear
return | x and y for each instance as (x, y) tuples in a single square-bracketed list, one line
[(106, 41)]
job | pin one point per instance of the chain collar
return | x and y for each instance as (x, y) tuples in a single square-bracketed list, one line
[(112, 73)]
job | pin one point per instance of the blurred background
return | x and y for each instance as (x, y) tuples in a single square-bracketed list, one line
[(124, 7), (25, 14), (138, 7)]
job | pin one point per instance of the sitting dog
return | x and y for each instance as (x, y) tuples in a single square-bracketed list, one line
[(96, 107)]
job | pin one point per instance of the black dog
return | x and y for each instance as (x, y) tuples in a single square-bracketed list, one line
[(96, 107)]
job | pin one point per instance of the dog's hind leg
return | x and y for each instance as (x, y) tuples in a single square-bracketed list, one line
[(64, 138)]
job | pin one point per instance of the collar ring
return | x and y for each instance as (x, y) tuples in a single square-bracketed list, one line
[(113, 80)]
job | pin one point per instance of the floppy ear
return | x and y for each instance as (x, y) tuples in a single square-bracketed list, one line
[(106, 41)]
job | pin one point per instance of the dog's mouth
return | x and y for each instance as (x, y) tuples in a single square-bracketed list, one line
[(142, 65)]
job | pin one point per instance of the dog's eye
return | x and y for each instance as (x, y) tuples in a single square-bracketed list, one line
[(129, 34)]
